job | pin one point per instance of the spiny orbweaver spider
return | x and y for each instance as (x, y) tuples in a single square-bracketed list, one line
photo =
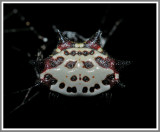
[(77, 67)]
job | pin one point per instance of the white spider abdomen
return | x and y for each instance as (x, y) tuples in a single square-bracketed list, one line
[(79, 72)]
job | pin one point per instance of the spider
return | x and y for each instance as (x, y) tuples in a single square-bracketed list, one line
[(78, 66)]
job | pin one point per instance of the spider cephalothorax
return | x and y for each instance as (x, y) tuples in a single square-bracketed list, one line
[(79, 69)]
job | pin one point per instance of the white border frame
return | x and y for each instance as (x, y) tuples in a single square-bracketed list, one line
[(157, 83)]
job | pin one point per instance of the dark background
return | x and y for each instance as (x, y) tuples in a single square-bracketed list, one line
[(135, 39)]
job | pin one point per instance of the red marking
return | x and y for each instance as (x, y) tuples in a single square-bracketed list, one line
[(92, 76), (92, 45), (65, 45), (91, 52), (106, 63), (48, 80), (115, 75), (50, 63)]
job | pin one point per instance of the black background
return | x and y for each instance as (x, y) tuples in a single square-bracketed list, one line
[(135, 39)]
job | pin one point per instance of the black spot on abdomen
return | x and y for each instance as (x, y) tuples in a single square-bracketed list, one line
[(88, 64), (71, 64)]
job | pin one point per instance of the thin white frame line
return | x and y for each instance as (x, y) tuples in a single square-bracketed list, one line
[(2, 64), (157, 98), (78, 128), (82, 129), (77, 2)]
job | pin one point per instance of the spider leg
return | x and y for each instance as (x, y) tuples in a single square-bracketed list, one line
[(26, 98), (31, 92), (36, 62), (17, 92), (24, 90), (121, 85), (117, 23), (53, 97), (104, 40), (107, 97), (25, 101), (120, 64)]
